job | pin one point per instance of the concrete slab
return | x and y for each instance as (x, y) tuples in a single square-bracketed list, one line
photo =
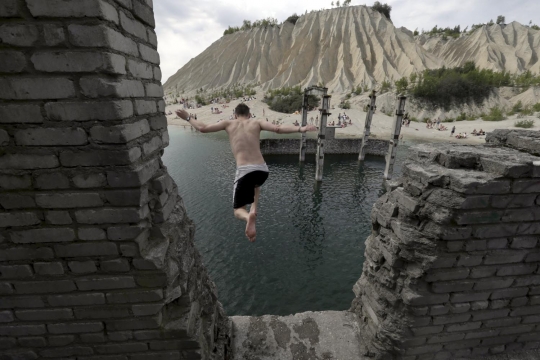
[(306, 336)]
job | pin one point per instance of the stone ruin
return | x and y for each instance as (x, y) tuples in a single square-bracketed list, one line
[(452, 264), (97, 259)]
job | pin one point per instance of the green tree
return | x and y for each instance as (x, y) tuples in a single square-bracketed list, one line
[(246, 25), (500, 19), (402, 85), (384, 9), (293, 19), (337, 3)]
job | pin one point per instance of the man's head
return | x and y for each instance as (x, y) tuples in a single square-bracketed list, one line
[(242, 110)]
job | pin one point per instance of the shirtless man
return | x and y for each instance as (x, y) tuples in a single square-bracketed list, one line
[(251, 170)]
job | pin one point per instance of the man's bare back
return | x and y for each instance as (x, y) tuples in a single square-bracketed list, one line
[(244, 136)]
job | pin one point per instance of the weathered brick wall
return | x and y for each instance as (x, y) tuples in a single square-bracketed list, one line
[(452, 264), (97, 254)]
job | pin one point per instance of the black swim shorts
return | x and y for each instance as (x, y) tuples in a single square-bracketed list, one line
[(244, 188)]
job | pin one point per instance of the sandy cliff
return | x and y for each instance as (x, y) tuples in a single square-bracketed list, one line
[(340, 47), (348, 46), (512, 47)]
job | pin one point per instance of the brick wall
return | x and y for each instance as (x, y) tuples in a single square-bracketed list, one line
[(96, 251), (452, 265)]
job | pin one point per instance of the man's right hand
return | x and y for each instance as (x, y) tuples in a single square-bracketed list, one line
[(183, 114), (310, 128)]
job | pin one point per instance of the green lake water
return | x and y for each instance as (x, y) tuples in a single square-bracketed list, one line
[(310, 240)]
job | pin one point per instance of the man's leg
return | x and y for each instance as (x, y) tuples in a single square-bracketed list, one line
[(249, 218), (253, 209)]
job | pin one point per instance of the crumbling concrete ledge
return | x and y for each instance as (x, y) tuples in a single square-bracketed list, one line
[(306, 336)]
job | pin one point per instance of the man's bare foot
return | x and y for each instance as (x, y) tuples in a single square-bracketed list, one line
[(251, 232)]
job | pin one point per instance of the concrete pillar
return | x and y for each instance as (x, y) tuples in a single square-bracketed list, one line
[(394, 137), (451, 264), (367, 125), (321, 137), (305, 108), (94, 239)]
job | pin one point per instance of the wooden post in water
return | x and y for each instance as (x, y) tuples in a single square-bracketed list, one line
[(394, 140), (305, 109), (322, 134), (367, 126)]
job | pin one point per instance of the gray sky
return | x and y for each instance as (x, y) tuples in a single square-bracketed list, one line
[(187, 28)]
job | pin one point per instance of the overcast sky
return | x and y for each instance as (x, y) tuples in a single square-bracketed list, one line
[(187, 28)]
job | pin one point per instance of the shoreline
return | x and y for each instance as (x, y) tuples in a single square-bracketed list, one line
[(380, 128)]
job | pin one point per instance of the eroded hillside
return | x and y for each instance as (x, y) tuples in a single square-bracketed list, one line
[(349, 46)]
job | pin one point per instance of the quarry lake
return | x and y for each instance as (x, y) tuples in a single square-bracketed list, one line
[(310, 241)]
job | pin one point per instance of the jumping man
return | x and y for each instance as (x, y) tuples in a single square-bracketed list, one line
[(251, 170)]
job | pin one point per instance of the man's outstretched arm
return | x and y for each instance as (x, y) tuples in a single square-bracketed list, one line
[(183, 114), (286, 129)]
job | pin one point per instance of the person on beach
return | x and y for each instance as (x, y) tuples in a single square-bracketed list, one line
[(453, 131), (251, 169)]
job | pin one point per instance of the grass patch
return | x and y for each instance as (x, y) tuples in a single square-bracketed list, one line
[(526, 124)]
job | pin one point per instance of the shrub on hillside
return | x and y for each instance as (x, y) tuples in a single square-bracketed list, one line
[(402, 85), (345, 105), (445, 32), (358, 90), (200, 100), (527, 79), (384, 9), (289, 99), (461, 117), (536, 107), (293, 19), (246, 25), (495, 114), (515, 109), (526, 124), (385, 87), (527, 111)]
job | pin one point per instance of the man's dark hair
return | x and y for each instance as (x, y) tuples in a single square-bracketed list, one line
[(242, 110)]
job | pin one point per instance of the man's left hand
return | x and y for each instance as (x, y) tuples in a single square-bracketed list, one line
[(183, 114)]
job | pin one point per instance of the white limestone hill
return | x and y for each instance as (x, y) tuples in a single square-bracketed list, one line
[(512, 47), (341, 48), (528, 97)]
